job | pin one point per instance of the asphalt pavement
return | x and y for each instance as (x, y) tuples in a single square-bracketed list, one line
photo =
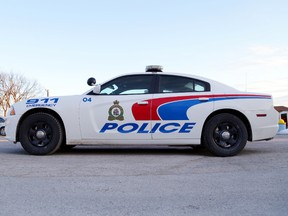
[(145, 181)]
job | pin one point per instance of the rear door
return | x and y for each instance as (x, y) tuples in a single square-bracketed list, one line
[(180, 108)]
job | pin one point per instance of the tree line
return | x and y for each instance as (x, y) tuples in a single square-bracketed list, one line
[(14, 88)]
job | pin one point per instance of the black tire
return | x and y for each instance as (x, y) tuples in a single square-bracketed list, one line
[(2, 131), (225, 135), (41, 134)]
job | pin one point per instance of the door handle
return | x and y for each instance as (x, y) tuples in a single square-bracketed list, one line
[(203, 99), (142, 102)]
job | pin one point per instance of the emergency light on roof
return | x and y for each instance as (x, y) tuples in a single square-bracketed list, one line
[(154, 68)]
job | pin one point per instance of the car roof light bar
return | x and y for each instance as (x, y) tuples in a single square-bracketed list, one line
[(154, 68)]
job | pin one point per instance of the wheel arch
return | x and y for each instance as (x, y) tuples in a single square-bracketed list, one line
[(233, 112), (41, 110)]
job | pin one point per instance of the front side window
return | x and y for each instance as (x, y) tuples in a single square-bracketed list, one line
[(128, 85), (174, 84)]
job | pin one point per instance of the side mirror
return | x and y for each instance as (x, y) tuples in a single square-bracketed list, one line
[(97, 89), (91, 81)]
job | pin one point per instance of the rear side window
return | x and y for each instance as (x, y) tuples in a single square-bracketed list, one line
[(174, 84)]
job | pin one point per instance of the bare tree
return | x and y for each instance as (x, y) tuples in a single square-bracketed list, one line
[(15, 87)]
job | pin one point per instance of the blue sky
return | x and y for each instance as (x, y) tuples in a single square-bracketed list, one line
[(242, 43)]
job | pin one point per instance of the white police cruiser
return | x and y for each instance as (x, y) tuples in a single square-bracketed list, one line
[(149, 108)]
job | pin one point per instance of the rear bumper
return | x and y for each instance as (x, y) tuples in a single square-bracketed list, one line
[(264, 127)]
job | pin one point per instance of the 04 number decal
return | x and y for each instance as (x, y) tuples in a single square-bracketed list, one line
[(85, 99)]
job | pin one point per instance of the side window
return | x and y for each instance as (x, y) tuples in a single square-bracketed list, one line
[(128, 85), (173, 84), (199, 86)]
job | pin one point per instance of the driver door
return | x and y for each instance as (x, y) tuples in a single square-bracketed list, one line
[(109, 115)]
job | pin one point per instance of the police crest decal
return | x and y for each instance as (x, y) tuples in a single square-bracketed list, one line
[(116, 112)]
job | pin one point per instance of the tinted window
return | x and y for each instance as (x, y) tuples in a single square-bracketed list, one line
[(171, 84), (128, 85)]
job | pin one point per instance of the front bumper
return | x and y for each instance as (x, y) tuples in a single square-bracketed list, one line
[(11, 124)]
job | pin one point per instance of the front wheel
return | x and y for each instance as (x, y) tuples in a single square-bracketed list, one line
[(2, 131), (41, 134), (225, 135)]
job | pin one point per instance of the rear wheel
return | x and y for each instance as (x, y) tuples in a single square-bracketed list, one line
[(41, 134), (225, 135)]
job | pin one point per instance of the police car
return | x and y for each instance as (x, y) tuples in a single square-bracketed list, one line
[(148, 108)]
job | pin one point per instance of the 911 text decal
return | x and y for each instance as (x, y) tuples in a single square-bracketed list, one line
[(43, 102), (171, 127)]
